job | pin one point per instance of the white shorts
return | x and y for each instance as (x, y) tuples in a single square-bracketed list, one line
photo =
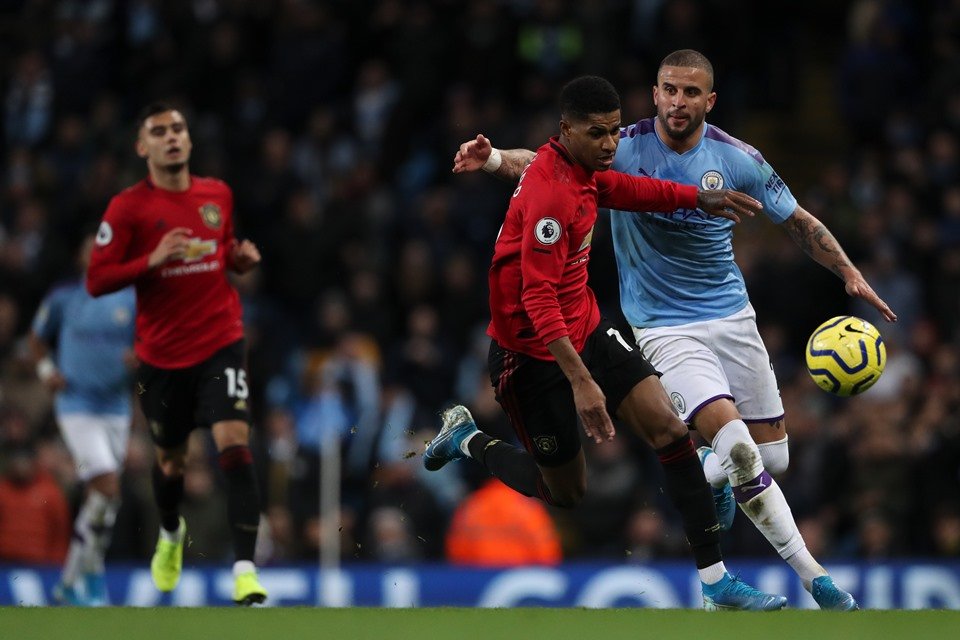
[(97, 443), (705, 361)]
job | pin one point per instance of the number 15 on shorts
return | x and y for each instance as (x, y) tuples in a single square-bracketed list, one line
[(237, 383)]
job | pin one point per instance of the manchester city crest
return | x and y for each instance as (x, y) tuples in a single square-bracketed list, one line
[(678, 402), (210, 214), (711, 180)]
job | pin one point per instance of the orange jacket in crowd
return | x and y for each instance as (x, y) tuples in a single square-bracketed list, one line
[(497, 527), (34, 521)]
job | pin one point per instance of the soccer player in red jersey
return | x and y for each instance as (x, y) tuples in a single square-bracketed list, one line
[(554, 358), (171, 235)]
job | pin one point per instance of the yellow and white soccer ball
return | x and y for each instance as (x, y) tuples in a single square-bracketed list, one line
[(846, 355)]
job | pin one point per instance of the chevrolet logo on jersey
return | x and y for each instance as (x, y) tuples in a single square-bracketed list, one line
[(198, 249)]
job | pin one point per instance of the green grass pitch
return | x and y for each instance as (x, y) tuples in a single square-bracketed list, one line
[(292, 623)]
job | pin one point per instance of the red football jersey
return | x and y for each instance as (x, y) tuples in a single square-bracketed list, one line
[(186, 309), (538, 279)]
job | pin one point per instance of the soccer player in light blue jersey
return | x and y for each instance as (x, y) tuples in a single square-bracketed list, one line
[(687, 302), (84, 352)]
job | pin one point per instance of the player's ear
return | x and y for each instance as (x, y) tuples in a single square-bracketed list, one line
[(711, 100), (564, 128), (140, 148)]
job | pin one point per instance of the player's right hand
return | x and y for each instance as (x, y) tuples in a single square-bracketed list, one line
[(172, 246), (727, 203), (592, 408), (472, 154)]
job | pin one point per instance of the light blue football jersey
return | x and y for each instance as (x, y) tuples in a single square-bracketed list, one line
[(89, 336), (676, 268)]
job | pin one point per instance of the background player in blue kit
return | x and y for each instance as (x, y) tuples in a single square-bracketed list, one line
[(84, 352), (687, 302)]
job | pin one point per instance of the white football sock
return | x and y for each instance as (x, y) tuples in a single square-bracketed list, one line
[(712, 574), (466, 441), (776, 456), (767, 508), (806, 567), (84, 553), (174, 536), (105, 515)]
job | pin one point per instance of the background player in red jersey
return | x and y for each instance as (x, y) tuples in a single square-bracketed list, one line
[(553, 357), (171, 235)]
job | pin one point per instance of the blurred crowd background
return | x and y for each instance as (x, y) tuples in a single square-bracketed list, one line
[(335, 122)]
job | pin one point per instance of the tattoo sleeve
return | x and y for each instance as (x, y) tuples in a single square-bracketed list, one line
[(514, 162), (817, 241)]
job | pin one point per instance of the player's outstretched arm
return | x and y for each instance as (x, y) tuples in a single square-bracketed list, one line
[(818, 243), (480, 153), (726, 203)]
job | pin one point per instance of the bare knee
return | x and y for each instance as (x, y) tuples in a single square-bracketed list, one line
[(231, 433), (664, 429), (648, 411)]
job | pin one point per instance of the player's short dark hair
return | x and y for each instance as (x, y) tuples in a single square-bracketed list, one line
[(586, 96), (688, 58), (153, 109)]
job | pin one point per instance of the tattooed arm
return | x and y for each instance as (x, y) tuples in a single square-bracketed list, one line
[(479, 154), (818, 243)]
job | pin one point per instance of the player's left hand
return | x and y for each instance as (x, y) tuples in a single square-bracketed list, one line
[(727, 203), (857, 287), (244, 256)]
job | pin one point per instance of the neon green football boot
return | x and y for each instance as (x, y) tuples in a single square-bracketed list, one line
[(247, 589), (167, 560)]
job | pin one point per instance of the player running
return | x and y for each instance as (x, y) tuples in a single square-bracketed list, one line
[(686, 299), (553, 358), (171, 235), (83, 348)]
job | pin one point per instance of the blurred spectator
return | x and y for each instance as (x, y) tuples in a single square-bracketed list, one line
[(603, 515), (34, 515), (28, 108), (551, 42), (497, 527), (650, 536)]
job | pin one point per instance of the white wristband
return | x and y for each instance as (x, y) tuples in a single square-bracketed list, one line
[(493, 162), (46, 369)]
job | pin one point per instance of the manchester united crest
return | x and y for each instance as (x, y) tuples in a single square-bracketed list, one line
[(546, 444), (210, 214)]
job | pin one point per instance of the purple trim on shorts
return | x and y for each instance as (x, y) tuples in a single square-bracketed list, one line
[(705, 403), (758, 420), (749, 490)]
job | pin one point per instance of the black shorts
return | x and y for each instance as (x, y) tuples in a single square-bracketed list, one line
[(539, 400), (176, 401)]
